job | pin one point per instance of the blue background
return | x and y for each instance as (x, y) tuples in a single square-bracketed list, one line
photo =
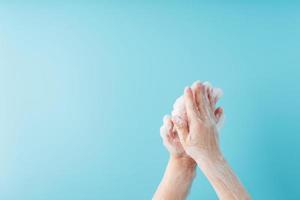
[(84, 87)]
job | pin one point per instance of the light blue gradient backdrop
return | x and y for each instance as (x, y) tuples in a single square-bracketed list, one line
[(84, 86)]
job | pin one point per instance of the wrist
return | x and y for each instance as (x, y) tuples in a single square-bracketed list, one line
[(205, 155), (184, 167), (209, 159), (184, 162)]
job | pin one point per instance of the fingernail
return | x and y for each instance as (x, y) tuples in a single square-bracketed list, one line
[(187, 89), (196, 83)]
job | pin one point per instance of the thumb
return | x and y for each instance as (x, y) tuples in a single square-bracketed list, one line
[(181, 128)]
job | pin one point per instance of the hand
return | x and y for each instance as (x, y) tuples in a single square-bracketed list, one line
[(214, 94), (172, 143), (196, 130), (199, 136), (168, 131), (180, 170)]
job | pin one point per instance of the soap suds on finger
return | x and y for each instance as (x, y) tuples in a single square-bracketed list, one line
[(179, 105)]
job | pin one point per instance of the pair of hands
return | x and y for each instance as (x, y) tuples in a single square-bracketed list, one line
[(194, 137), (191, 137)]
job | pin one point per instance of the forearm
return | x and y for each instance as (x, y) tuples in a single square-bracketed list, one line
[(222, 178), (177, 179)]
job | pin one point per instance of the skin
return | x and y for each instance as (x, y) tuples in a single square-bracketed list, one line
[(180, 170), (195, 142), (177, 179), (199, 138)]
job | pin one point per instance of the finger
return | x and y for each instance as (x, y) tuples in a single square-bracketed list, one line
[(200, 97), (207, 83), (181, 128), (191, 108), (217, 94), (197, 96), (194, 85), (210, 98), (163, 132), (220, 118), (218, 114), (169, 126), (166, 138), (215, 99), (195, 90), (209, 89), (167, 122), (206, 103)]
